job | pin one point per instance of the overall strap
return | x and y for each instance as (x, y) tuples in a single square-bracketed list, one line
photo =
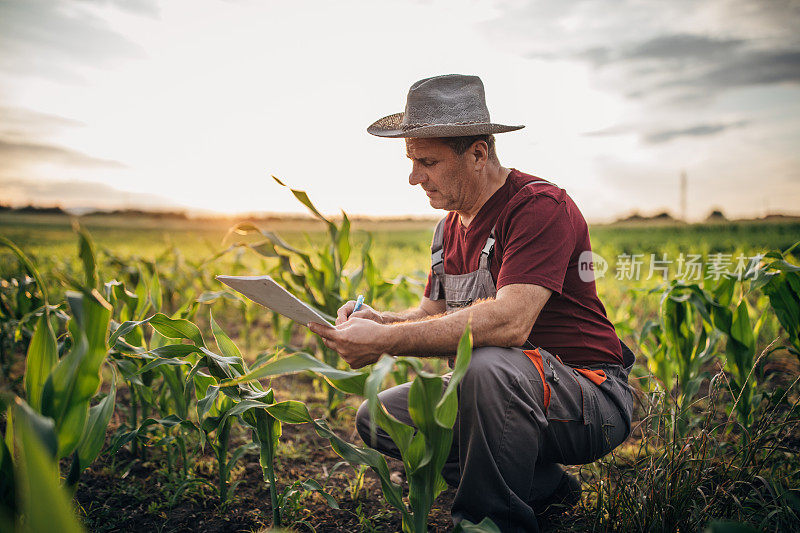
[(488, 248), (437, 261)]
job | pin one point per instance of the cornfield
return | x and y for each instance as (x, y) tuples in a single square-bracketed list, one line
[(123, 369)]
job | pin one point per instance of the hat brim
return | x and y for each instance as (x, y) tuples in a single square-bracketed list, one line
[(389, 126)]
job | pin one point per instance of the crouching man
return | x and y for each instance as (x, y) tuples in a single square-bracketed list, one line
[(548, 381)]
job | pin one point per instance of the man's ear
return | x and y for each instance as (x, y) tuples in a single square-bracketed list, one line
[(480, 154)]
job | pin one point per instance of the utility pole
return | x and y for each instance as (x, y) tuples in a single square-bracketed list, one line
[(683, 196)]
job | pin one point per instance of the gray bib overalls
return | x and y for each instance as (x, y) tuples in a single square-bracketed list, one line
[(521, 412)]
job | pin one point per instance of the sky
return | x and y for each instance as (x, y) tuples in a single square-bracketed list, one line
[(194, 104)]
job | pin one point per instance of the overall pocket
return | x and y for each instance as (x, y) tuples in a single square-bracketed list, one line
[(572, 432), (568, 402)]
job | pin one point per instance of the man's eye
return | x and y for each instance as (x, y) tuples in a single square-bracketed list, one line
[(428, 163)]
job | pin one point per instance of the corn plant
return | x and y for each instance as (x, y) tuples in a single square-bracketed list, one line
[(780, 281), (679, 345), (424, 449), (22, 299), (690, 339), (30, 492), (62, 388), (731, 317), (228, 391), (264, 416), (156, 379), (320, 276)]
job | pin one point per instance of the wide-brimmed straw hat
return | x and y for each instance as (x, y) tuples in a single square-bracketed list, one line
[(453, 105)]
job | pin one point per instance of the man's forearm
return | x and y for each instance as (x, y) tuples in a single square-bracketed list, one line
[(439, 336), (413, 314)]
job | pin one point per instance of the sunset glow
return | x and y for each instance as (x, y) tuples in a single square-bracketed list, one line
[(187, 104)]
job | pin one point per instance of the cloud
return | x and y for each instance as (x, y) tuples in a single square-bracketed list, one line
[(756, 68), (21, 123), (701, 130), (51, 39), (680, 52), (683, 46), (148, 8), (22, 154), (77, 194), (24, 144), (679, 47), (666, 135)]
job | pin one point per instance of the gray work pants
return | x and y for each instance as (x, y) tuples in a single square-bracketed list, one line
[(508, 447)]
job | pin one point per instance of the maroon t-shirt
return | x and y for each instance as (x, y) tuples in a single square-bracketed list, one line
[(540, 235)]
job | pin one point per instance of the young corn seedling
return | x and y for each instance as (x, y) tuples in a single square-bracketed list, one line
[(264, 416), (689, 342), (31, 498), (62, 389), (779, 279), (731, 317), (424, 448), (321, 277)]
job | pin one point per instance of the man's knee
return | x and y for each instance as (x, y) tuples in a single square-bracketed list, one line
[(363, 421), (488, 365)]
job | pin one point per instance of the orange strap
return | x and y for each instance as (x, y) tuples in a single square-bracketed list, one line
[(595, 376), (536, 357)]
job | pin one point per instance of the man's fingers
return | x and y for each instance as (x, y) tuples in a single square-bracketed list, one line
[(344, 312), (326, 332)]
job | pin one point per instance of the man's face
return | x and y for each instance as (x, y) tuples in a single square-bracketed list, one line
[(445, 176)]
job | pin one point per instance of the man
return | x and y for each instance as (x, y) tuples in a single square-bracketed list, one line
[(547, 383)]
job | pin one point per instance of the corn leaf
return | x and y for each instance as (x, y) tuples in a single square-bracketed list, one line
[(447, 407), (45, 505), (344, 380), (177, 328), (87, 255), (27, 264), (224, 343), (364, 456), (76, 377), (94, 435), (42, 357)]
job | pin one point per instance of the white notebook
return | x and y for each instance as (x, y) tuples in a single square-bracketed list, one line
[(265, 291)]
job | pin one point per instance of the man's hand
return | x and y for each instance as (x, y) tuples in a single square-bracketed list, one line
[(346, 311), (359, 341)]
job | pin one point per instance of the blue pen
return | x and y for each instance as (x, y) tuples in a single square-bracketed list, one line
[(359, 301)]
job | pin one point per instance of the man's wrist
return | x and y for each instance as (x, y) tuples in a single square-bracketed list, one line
[(390, 339)]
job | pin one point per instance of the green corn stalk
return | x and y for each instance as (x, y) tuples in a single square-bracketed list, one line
[(654, 347), (63, 389), (264, 416), (19, 308), (169, 362), (212, 409), (690, 339), (257, 407), (780, 281), (41, 503), (731, 317), (130, 307), (424, 450), (321, 279)]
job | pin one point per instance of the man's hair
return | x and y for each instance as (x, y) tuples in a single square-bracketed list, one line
[(461, 144)]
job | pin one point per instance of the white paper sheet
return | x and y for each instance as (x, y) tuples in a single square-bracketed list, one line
[(265, 291)]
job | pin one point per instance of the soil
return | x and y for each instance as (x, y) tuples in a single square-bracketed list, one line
[(124, 492), (128, 493)]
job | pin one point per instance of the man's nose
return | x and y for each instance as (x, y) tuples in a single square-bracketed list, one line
[(416, 177)]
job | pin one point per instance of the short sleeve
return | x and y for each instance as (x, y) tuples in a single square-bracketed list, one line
[(538, 239), (428, 285)]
